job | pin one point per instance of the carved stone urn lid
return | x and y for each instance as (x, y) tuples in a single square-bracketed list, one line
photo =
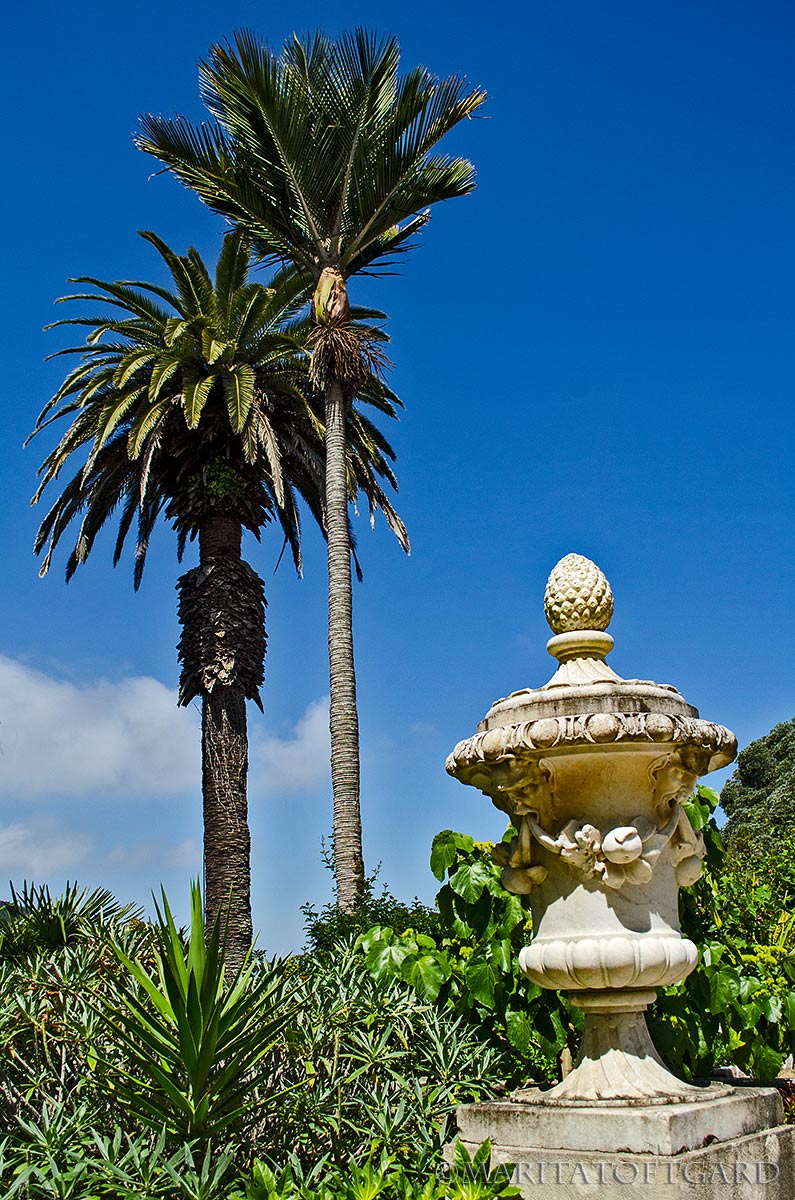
[(586, 702), (578, 604)]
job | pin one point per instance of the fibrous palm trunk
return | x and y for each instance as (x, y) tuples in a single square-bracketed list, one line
[(344, 719), (222, 649)]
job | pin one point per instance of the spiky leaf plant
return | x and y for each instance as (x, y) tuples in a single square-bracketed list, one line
[(195, 1034)]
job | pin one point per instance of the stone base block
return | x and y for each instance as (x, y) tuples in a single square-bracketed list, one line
[(722, 1148), (721, 1114)]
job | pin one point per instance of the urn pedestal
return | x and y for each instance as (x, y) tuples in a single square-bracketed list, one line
[(593, 771)]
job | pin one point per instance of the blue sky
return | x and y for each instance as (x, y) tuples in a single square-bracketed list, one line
[(596, 354)]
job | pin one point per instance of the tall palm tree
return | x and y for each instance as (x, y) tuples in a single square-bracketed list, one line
[(325, 155), (195, 401)]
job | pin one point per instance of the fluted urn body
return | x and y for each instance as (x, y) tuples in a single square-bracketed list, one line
[(592, 770)]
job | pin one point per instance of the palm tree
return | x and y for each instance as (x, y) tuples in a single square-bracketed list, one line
[(325, 155), (195, 402)]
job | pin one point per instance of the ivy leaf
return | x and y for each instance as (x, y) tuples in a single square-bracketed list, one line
[(426, 975), (513, 915), (384, 959), (378, 933), (521, 1031), (712, 954), (446, 848), (444, 852), (749, 986), (773, 1009), (502, 954), (548, 1026), (766, 1062)]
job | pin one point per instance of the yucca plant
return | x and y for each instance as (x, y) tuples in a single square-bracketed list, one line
[(194, 1041)]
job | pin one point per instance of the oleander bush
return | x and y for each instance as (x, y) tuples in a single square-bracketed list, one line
[(135, 1066)]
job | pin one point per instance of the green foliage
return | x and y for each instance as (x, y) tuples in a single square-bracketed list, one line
[(326, 152), (331, 924), (738, 1006), (372, 1066), (381, 1178), (368, 1048), (759, 801), (192, 399), (366, 1075), (194, 1041), (36, 921), (223, 482), (469, 964)]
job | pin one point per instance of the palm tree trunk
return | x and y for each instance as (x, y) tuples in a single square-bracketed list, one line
[(227, 841), (344, 718), (222, 651)]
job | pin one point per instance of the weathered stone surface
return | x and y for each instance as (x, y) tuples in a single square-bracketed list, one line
[(716, 1149), (758, 1167), (662, 1129), (578, 596), (593, 771)]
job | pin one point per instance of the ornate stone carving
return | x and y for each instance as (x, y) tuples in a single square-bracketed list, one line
[(594, 771), (520, 785), (519, 874), (618, 961), (578, 596), (618, 1061), (626, 854), (715, 744)]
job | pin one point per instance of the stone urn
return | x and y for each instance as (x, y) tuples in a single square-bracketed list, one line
[(593, 770)]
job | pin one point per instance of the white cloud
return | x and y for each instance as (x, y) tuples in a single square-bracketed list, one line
[(295, 763), (106, 738), (39, 849), (186, 854), (109, 739)]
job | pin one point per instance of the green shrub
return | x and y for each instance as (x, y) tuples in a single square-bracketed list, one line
[(371, 1067), (128, 1061), (470, 963), (738, 1006), (193, 1047), (328, 926)]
